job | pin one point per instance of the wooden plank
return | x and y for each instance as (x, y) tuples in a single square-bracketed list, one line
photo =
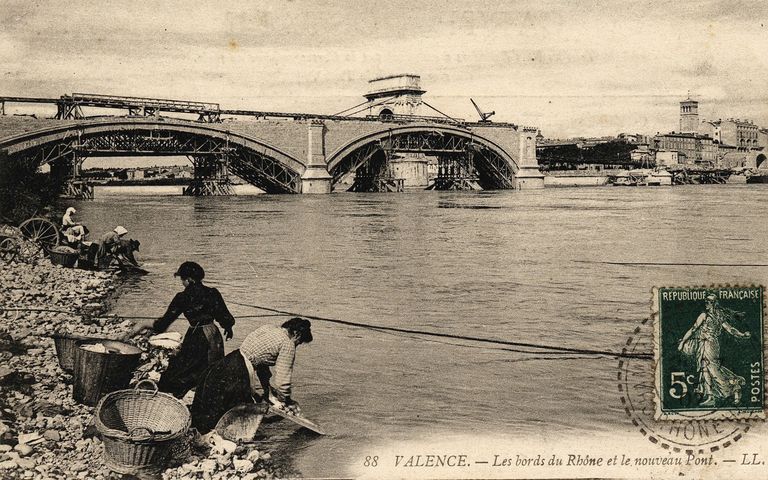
[(297, 419)]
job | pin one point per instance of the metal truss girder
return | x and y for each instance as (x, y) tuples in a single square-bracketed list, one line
[(150, 142), (471, 161), (354, 161), (493, 172), (264, 172), (426, 141), (256, 168)]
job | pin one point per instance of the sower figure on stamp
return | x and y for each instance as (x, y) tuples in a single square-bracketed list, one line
[(236, 379), (202, 345), (702, 341)]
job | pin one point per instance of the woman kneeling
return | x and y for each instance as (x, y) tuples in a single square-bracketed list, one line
[(239, 377)]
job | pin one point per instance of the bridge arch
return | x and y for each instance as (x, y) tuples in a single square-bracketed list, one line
[(496, 168), (760, 161), (257, 162)]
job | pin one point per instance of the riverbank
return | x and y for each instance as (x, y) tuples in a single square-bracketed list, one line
[(44, 433)]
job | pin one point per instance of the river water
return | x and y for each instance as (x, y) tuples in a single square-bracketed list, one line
[(521, 266)]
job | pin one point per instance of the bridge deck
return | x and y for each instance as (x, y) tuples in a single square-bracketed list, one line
[(213, 109)]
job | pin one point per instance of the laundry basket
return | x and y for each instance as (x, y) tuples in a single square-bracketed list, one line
[(66, 347), (139, 428), (63, 256)]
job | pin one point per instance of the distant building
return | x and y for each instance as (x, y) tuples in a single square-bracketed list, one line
[(96, 174), (692, 148), (742, 134), (665, 158), (134, 174), (733, 159), (641, 155), (635, 138), (689, 116)]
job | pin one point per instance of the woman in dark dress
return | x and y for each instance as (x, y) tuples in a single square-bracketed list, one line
[(202, 345), (236, 379)]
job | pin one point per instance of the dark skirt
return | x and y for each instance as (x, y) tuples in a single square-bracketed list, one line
[(202, 346), (224, 385)]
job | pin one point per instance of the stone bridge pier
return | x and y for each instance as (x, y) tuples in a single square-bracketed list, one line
[(316, 178)]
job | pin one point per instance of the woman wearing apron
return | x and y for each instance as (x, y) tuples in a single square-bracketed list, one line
[(202, 345)]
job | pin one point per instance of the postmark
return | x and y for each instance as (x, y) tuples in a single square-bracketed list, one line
[(708, 353), (697, 433)]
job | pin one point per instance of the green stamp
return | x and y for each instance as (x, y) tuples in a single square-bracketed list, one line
[(708, 350)]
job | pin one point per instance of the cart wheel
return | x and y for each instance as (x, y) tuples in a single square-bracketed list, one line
[(41, 231), (8, 249)]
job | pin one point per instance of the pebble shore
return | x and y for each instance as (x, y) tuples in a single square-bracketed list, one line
[(44, 433)]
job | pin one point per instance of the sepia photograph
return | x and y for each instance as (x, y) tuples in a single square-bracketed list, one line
[(383, 239)]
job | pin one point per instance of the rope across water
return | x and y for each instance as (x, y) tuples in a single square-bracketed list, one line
[(541, 349)]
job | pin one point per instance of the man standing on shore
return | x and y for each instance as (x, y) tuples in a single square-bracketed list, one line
[(202, 345)]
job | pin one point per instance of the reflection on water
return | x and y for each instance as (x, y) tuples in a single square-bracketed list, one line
[(503, 265)]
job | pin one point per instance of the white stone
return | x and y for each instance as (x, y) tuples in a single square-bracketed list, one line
[(253, 456), (208, 465), (23, 449), (242, 466)]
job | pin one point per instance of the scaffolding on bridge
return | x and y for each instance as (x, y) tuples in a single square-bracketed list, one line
[(70, 107)]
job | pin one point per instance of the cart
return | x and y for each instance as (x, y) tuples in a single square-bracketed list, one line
[(31, 239)]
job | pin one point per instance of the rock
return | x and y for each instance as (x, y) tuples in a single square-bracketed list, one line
[(26, 463), (242, 466), (253, 456), (208, 465), (91, 431), (52, 435), (5, 372), (8, 465), (29, 438), (23, 449), (224, 446), (5, 448)]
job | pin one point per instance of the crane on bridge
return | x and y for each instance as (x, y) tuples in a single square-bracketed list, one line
[(484, 116)]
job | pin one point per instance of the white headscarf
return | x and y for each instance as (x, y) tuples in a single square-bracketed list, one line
[(66, 220), (120, 230)]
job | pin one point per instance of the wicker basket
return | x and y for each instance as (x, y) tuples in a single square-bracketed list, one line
[(64, 256), (66, 346), (140, 428)]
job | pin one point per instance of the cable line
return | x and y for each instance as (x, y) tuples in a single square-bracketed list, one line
[(553, 349), (675, 264), (543, 349)]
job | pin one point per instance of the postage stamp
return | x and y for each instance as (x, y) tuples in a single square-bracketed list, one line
[(708, 352)]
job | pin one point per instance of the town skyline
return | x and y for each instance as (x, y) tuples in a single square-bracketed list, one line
[(570, 69)]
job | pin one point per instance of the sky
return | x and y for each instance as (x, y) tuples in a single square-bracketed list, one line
[(570, 68)]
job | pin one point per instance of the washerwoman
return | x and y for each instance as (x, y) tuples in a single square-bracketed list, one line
[(203, 344), (244, 375)]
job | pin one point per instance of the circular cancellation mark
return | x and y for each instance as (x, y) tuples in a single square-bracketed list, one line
[(637, 389)]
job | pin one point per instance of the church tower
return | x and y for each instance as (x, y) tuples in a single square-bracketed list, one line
[(689, 116)]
